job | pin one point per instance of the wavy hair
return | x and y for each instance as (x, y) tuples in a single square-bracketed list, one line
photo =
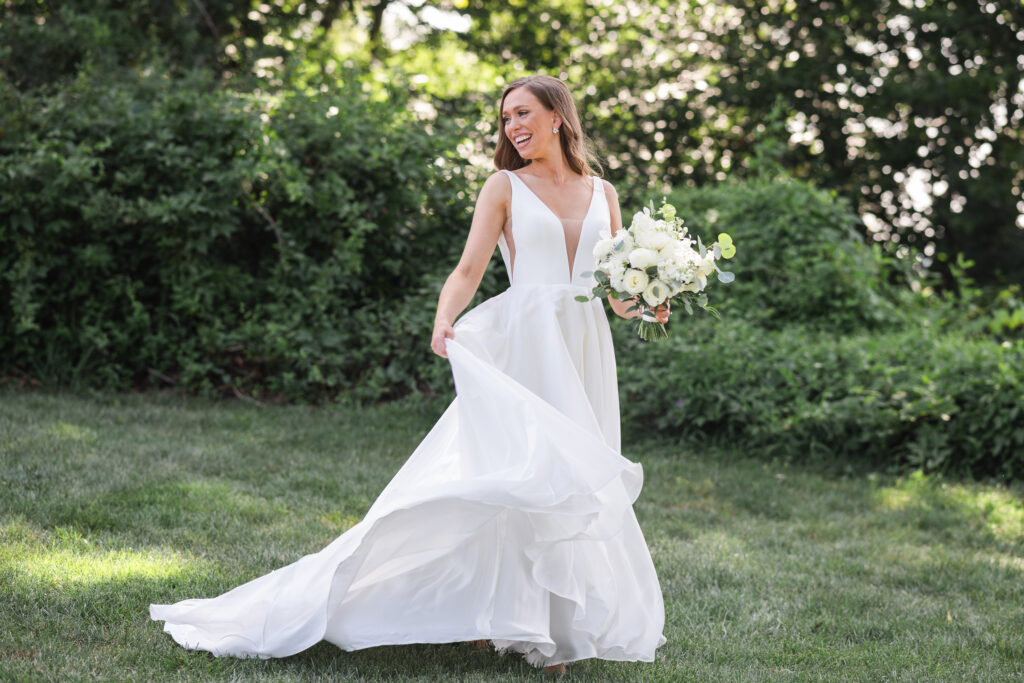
[(555, 96)]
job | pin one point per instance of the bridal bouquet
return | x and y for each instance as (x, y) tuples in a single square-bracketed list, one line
[(654, 262)]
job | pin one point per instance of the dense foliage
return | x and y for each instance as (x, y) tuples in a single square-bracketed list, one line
[(913, 397), (45, 43), (801, 260), (912, 110), (819, 357), (183, 234), (240, 197)]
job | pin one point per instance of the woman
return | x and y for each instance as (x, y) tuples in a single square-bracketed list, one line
[(512, 521)]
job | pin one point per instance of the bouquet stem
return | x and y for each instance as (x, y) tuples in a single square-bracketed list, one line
[(650, 328)]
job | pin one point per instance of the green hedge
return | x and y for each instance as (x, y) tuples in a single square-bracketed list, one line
[(820, 356), (905, 398), (156, 231), (800, 258)]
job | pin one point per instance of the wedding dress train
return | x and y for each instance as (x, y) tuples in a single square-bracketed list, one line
[(511, 521)]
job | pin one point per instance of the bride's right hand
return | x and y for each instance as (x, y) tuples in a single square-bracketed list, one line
[(441, 331)]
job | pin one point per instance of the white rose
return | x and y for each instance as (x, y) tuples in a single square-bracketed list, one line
[(655, 293), (642, 258), (635, 281), (642, 220), (653, 238)]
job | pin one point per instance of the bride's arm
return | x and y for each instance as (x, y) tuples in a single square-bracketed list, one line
[(616, 217), (459, 288)]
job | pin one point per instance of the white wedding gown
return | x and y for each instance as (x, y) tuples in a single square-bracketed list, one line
[(511, 521)]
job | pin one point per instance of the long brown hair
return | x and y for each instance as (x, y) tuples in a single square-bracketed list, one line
[(555, 96)]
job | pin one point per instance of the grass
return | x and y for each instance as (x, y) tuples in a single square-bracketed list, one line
[(770, 572)]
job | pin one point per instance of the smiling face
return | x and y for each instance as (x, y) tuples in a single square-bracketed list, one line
[(527, 123)]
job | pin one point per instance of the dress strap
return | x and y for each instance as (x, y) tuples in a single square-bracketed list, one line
[(512, 181), (598, 185)]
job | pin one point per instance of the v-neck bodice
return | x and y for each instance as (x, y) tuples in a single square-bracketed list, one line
[(541, 251)]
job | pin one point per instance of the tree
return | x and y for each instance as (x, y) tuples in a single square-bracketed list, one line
[(912, 108)]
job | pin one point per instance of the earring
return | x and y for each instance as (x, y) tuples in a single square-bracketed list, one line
[(555, 131)]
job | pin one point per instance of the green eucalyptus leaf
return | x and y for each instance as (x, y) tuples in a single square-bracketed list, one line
[(726, 276)]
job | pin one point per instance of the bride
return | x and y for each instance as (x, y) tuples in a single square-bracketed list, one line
[(512, 520)]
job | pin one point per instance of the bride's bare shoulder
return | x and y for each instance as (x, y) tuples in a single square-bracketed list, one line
[(495, 197), (498, 186)]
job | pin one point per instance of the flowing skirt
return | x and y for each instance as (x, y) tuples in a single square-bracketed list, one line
[(512, 520)]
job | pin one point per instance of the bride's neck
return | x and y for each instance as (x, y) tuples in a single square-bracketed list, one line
[(554, 170)]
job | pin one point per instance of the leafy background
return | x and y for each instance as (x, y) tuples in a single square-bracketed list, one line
[(262, 200)]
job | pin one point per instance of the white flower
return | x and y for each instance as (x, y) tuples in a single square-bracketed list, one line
[(622, 243), (642, 258), (707, 266), (615, 265), (642, 220), (615, 280), (635, 281), (655, 293), (653, 237), (615, 268), (603, 248)]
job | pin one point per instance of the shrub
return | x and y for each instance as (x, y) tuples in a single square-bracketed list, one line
[(800, 258), (903, 398), (158, 230)]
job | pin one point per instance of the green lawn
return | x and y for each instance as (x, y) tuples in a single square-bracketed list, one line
[(111, 502)]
